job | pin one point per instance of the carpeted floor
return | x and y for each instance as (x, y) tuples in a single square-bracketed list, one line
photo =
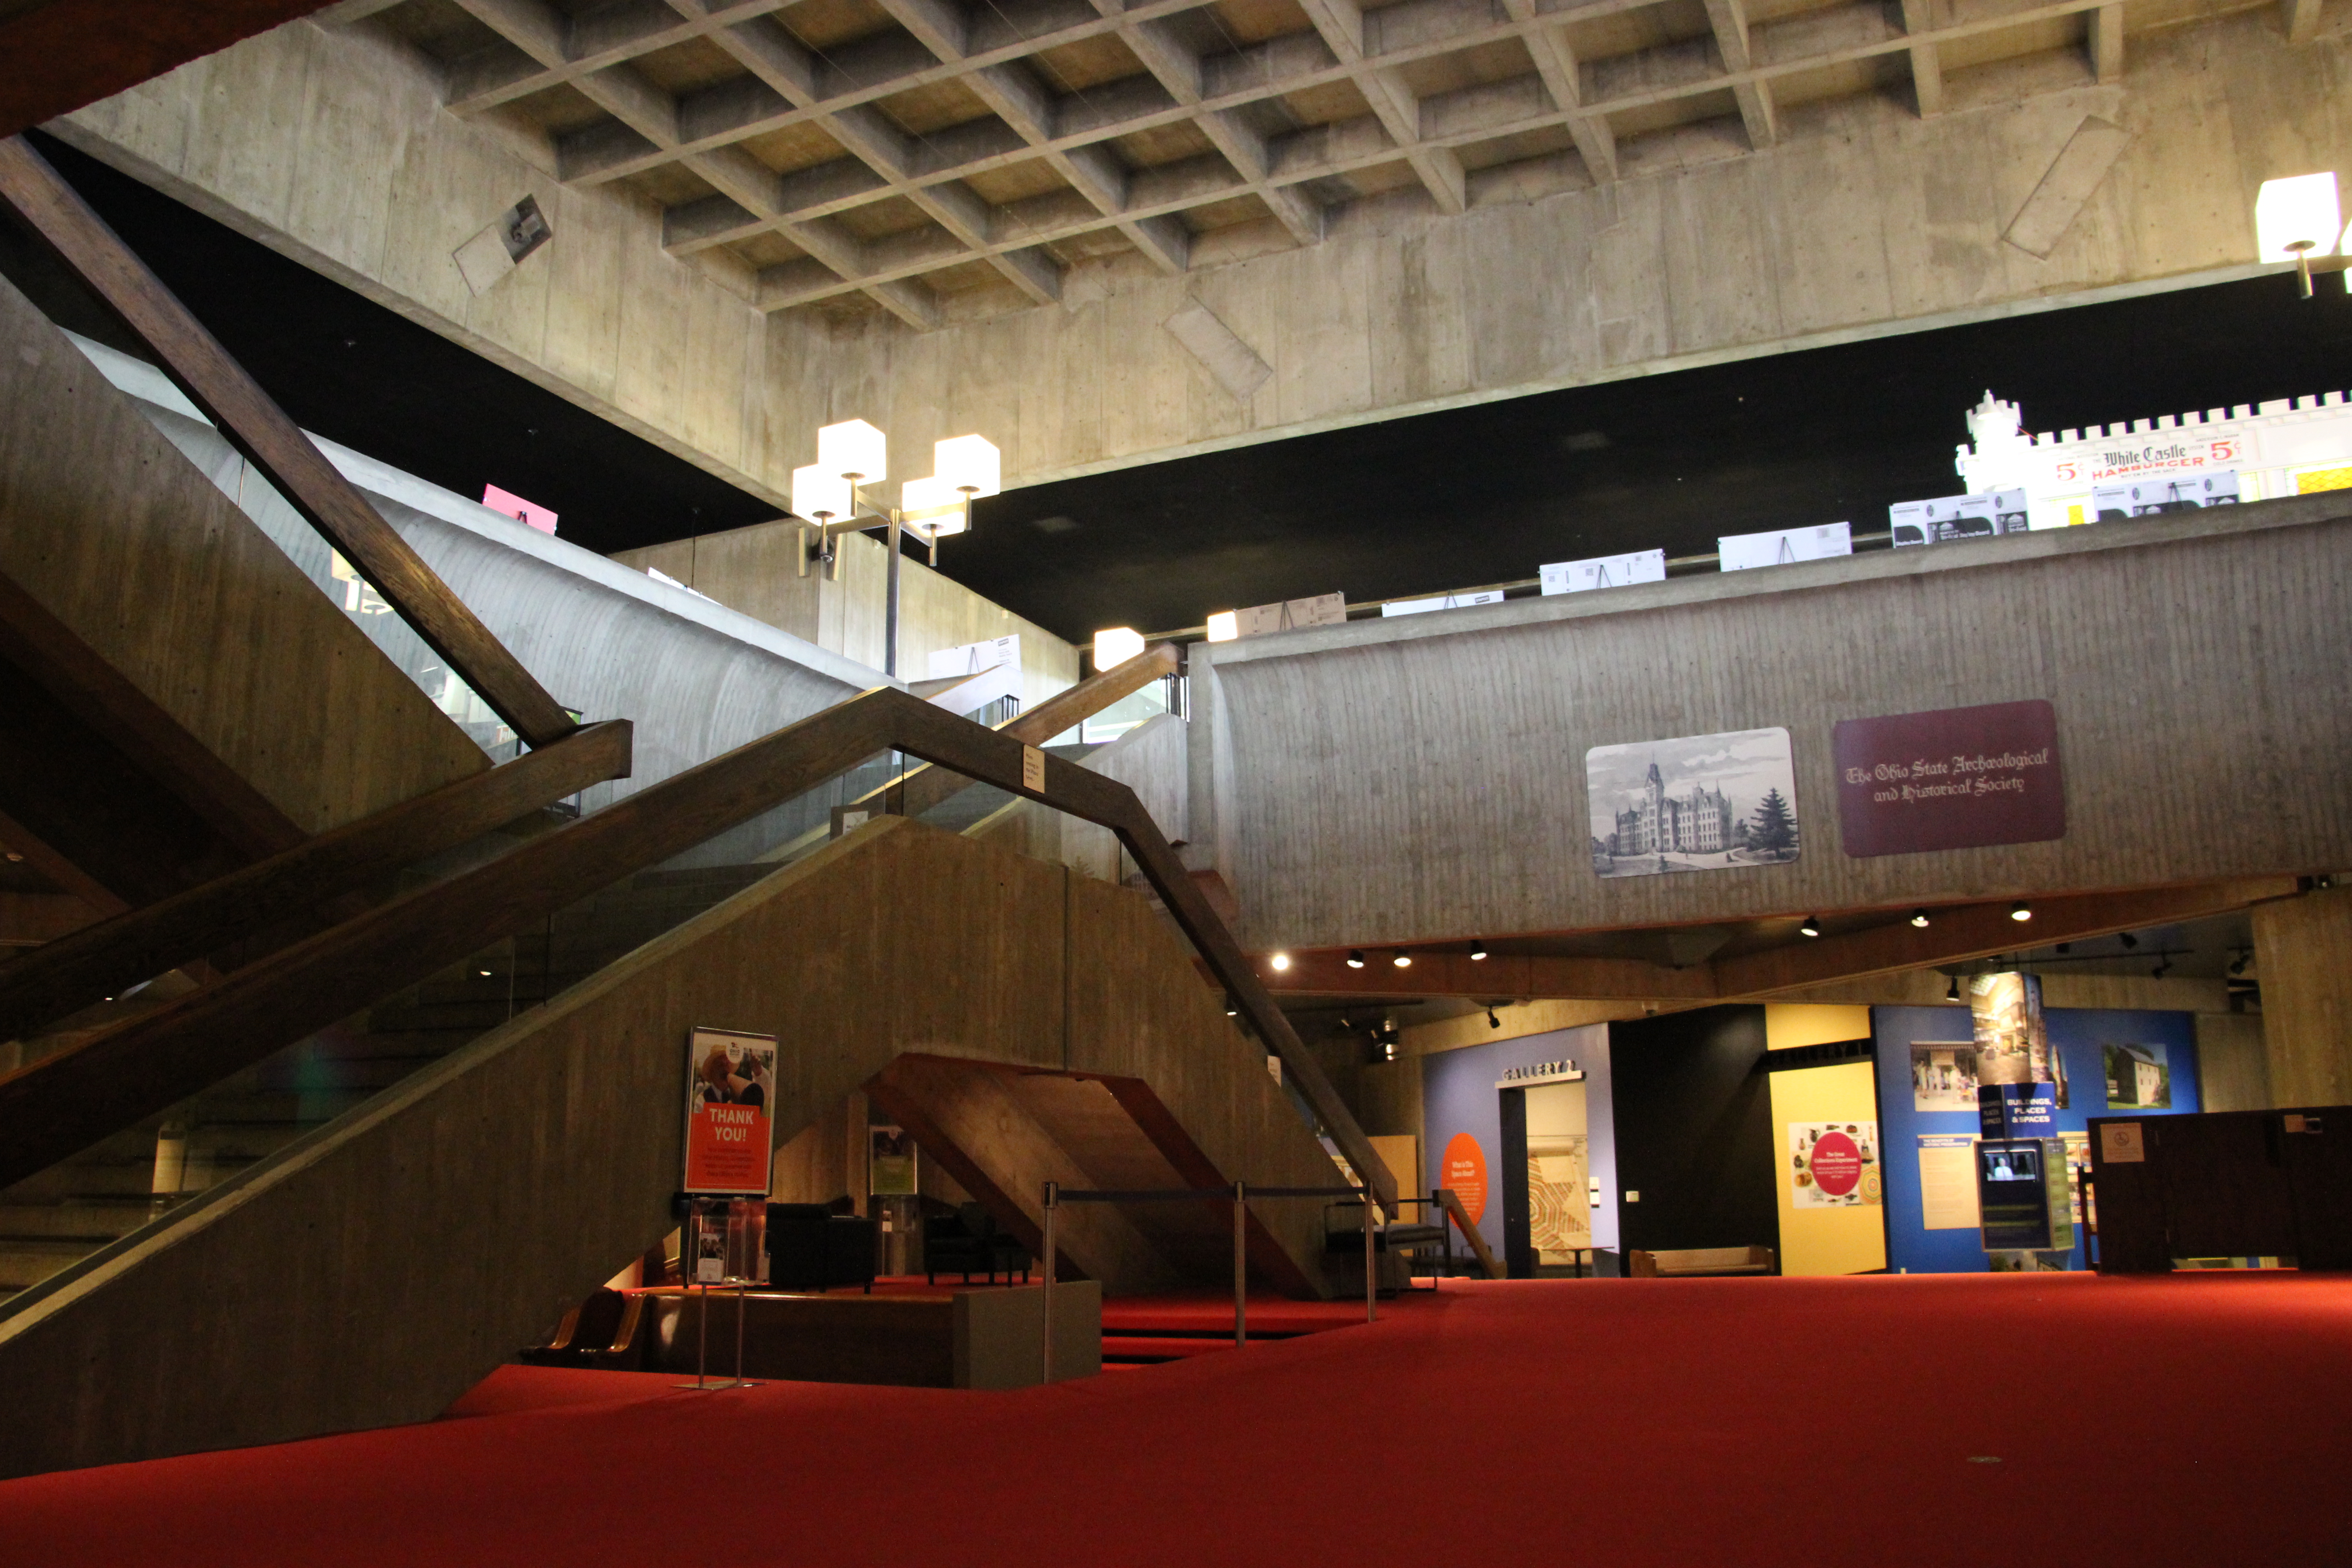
[(1962, 1419)]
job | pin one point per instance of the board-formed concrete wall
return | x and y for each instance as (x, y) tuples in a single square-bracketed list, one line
[(1864, 219), (756, 569), (1424, 778), (117, 535)]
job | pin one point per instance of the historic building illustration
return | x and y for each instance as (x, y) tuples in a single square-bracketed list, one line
[(1699, 823)]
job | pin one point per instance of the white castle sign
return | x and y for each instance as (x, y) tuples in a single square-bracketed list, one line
[(2289, 447)]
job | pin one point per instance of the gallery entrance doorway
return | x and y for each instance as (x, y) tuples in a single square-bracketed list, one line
[(1547, 1179)]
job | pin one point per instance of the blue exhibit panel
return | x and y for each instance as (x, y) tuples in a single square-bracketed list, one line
[(2154, 1056)]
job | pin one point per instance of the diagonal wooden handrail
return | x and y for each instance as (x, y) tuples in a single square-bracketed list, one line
[(97, 961), (67, 1101), (256, 427), (918, 790)]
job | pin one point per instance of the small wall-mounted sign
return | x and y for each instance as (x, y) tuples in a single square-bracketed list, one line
[(485, 259), (1540, 1072)]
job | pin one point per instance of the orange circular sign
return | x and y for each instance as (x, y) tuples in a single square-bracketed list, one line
[(1465, 1171)]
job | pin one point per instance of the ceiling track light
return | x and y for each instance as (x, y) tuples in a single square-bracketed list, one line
[(1811, 926), (1477, 951), (2021, 910), (1492, 1021), (2128, 940), (2163, 967), (1233, 1009), (1952, 992), (1355, 958), (1280, 960), (1402, 959), (1919, 918)]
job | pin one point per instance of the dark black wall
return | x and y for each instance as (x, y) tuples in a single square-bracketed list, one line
[(1693, 1131)]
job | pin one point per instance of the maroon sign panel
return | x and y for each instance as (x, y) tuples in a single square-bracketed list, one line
[(1954, 779)]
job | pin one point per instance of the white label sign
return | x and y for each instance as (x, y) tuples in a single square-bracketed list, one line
[(1744, 552), (1322, 610), (974, 658), (1443, 602), (1604, 571), (1033, 769)]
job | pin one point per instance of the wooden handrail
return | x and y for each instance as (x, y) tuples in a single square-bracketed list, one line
[(1451, 1201), (98, 960), (65, 1102), (256, 427), (918, 790)]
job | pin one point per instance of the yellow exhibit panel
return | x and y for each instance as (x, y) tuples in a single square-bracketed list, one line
[(1830, 1177)]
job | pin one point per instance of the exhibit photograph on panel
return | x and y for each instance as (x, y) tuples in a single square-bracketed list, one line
[(1696, 803)]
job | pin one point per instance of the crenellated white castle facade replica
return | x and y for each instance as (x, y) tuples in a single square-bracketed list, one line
[(2290, 446)]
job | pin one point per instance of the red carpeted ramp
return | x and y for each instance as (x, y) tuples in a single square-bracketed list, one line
[(1962, 1420)]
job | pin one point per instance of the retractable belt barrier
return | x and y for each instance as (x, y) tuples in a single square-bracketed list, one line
[(1238, 1195)]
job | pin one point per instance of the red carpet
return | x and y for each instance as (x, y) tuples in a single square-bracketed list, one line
[(2185, 1420)]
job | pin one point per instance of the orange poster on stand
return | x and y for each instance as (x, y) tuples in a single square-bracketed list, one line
[(730, 1088)]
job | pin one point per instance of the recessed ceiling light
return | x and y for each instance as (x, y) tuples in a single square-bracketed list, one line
[(1919, 918), (1355, 958), (1281, 960), (2020, 910), (1402, 960)]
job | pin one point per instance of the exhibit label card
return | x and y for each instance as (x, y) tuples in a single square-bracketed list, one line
[(1783, 546), (1957, 778), (1603, 571)]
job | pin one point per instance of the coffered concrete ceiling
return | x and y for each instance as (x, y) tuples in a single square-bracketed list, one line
[(1103, 233), (899, 153)]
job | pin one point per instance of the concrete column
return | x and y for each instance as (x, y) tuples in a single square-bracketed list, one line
[(2303, 947)]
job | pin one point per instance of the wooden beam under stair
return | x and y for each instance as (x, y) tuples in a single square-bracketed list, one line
[(257, 427)]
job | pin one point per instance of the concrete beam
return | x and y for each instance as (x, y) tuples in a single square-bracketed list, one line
[(2105, 44), (1338, 828)]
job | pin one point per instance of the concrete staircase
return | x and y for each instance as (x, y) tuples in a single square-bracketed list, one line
[(455, 1214), (64, 1214)]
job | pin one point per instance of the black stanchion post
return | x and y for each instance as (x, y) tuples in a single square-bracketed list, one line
[(1045, 1297), (1241, 1263), (1372, 1280)]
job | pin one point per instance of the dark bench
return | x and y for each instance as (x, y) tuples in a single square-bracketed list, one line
[(971, 1241), (811, 1248)]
